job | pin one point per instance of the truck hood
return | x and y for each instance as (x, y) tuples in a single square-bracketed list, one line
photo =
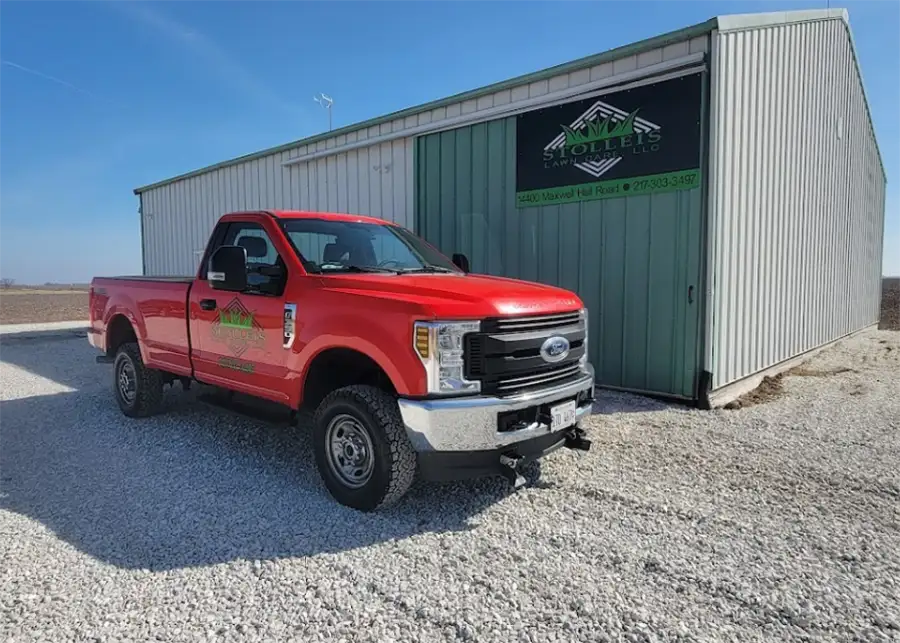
[(459, 296)]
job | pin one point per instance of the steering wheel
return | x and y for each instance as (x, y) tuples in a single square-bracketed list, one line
[(385, 262)]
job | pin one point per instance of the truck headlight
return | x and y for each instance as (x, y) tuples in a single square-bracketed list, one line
[(439, 345)]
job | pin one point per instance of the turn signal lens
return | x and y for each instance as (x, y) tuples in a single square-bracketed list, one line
[(422, 341)]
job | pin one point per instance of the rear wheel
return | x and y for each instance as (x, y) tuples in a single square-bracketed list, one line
[(361, 448), (138, 389)]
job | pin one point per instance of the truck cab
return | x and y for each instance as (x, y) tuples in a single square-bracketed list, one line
[(410, 364)]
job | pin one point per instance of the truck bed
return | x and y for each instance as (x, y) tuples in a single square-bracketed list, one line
[(158, 307)]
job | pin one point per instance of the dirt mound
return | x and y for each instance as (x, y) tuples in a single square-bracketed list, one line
[(890, 304), (771, 388)]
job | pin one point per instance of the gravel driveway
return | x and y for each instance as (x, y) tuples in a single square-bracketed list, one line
[(776, 522)]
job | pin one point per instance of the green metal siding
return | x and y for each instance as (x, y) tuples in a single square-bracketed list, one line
[(630, 259)]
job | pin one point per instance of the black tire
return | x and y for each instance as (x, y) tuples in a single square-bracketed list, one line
[(393, 467), (147, 395)]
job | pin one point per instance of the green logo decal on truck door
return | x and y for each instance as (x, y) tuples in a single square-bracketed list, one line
[(237, 328)]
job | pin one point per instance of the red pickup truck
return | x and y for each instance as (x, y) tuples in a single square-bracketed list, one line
[(410, 363)]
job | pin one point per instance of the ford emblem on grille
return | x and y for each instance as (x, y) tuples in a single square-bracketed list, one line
[(555, 349)]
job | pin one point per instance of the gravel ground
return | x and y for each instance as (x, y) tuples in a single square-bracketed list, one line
[(34, 306), (776, 522)]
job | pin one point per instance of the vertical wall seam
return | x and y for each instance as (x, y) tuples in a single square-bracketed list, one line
[(851, 147), (648, 270), (712, 210), (754, 213), (143, 233)]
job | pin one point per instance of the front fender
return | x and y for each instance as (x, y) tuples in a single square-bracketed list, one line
[(387, 342)]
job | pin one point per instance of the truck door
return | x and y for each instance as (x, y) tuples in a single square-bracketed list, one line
[(237, 338)]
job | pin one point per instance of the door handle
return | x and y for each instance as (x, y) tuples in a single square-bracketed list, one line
[(208, 304), (690, 294)]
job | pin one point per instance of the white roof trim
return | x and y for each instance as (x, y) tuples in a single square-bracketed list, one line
[(741, 21)]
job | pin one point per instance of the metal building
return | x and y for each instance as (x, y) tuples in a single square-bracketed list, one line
[(715, 195)]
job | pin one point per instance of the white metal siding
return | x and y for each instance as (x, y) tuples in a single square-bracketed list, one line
[(796, 197), (375, 181), (867, 194), (178, 217)]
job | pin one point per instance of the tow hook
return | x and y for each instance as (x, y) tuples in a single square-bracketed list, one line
[(510, 470), (575, 440)]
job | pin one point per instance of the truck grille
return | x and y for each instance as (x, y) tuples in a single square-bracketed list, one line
[(542, 322), (511, 385), (506, 355)]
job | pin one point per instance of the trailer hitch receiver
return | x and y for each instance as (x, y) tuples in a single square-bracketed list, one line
[(575, 440), (509, 465)]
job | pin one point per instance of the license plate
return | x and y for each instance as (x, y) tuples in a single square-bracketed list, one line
[(562, 415)]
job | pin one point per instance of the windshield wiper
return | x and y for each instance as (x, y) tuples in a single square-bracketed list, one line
[(426, 269), (355, 268)]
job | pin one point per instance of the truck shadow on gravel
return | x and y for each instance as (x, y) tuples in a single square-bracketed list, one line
[(609, 402), (196, 485)]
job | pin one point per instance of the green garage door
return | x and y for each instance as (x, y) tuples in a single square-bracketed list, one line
[(635, 260)]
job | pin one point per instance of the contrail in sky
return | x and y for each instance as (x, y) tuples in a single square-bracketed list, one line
[(52, 79)]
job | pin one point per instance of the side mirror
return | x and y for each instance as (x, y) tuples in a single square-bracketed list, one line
[(461, 261), (227, 269)]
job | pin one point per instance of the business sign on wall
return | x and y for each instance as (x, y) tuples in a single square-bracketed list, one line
[(637, 141)]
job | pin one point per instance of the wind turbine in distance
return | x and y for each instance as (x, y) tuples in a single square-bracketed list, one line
[(326, 102)]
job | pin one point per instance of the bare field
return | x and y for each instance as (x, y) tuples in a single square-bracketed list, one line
[(23, 306), (43, 291), (890, 304)]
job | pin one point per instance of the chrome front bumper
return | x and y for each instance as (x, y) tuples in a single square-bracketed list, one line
[(470, 423)]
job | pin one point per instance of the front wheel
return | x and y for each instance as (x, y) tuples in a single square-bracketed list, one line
[(361, 448)]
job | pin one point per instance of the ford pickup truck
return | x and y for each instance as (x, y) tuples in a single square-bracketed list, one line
[(409, 364)]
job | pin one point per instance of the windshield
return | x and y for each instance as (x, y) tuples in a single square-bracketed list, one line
[(329, 246)]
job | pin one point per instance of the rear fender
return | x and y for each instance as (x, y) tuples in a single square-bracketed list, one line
[(124, 307)]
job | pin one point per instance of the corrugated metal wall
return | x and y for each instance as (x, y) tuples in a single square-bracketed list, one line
[(796, 197), (376, 181), (867, 206), (630, 259), (179, 217)]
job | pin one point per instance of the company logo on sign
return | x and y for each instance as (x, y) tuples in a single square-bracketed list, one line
[(631, 142), (237, 328), (599, 138), (555, 349)]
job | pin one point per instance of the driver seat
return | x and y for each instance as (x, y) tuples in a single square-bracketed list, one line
[(334, 253)]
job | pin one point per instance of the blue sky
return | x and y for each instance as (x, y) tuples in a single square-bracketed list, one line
[(97, 98)]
